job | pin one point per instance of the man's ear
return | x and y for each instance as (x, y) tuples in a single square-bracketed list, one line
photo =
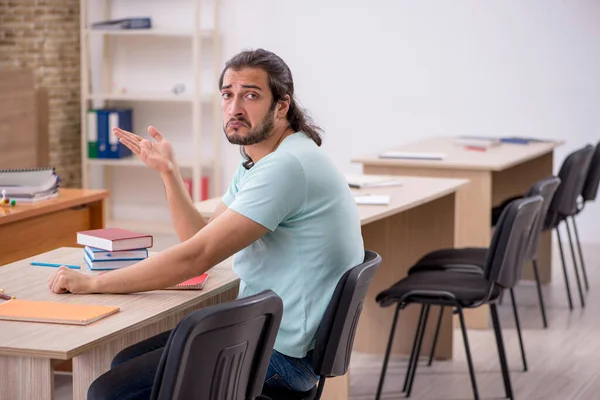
[(283, 106)]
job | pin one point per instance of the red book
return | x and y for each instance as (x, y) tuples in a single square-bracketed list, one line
[(114, 239)]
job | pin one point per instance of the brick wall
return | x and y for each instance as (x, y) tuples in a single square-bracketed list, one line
[(43, 35)]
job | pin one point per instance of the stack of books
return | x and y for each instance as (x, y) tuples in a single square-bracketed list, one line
[(29, 185), (113, 248)]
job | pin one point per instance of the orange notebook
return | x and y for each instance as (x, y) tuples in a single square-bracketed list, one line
[(53, 312), (196, 283)]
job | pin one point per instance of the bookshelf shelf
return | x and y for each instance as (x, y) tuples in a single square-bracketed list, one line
[(148, 68), (159, 97), (134, 162), (149, 32)]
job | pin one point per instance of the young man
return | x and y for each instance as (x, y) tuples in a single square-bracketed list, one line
[(288, 216)]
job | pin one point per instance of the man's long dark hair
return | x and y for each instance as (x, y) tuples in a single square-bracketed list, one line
[(280, 83)]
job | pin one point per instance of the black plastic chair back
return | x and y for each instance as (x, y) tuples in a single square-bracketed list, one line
[(510, 241), (572, 174), (546, 188), (335, 336), (220, 352), (590, 187)]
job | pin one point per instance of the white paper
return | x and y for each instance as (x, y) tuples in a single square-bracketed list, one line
[(372, 199)]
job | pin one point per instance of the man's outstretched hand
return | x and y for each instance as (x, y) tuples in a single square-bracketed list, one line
[(156, 154)]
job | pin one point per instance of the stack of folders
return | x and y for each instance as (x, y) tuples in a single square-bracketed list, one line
[(113, 248), (29, 185)]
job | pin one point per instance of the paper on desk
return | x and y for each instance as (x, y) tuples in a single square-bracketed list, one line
[(372, 199), (413, 155)]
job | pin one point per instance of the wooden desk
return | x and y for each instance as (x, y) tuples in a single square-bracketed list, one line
[(420, 218), (28, 350), (29, 229), (494, 175)]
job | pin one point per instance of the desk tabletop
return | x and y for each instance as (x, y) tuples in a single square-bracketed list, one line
[(497, 158), (62, 342), (413, 192), (67, 198)]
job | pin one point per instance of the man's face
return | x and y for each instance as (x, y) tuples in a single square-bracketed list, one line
[(247, 106)]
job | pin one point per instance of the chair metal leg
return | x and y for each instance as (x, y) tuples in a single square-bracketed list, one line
[(411, 360), (536, 272), (387, 353), (575, 264), (468, 353), (518, 325), (436, 335), (501, 352), (585, 278), (418, 352), (564, 265)]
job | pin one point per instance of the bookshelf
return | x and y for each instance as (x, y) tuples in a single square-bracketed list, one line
[(138, 69)]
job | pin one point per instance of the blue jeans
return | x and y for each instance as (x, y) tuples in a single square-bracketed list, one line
[(132, 372)]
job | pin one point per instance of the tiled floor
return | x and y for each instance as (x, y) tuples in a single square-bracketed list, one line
[(563, 359)]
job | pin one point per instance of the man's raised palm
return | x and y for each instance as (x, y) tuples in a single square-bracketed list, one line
[(156, 154)]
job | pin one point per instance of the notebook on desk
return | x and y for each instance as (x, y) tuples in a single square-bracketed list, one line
[(53, 312)]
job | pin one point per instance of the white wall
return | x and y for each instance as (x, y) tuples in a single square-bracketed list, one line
[(377, 74), (382, 73)]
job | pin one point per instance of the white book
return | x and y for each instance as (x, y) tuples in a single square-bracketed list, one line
[(372, 199), (365, 181), (412, 155)]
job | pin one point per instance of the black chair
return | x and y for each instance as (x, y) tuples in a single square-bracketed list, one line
[(572, 174), (472, 260), (503, 265), (220, 352), (335, 336), (589, 193)]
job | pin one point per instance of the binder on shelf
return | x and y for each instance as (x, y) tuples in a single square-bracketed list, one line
[(108, 144), (92, 133), (124, 23)]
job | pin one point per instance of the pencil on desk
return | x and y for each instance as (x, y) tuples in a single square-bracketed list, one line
[(43, 264)]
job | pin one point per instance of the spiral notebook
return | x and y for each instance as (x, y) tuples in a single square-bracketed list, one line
[(196, 283), (53, 312)]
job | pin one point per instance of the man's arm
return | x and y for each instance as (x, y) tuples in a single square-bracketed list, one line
[(186, 218), (219, 240)]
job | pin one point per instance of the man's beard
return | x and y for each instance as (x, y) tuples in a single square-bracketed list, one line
[(260, 133)]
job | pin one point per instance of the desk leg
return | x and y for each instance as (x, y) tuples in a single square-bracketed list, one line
[(26, 378), (97, 214), (337, 388), (90, 365), (401, 240)]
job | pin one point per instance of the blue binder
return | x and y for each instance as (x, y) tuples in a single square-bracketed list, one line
[(108, 144)]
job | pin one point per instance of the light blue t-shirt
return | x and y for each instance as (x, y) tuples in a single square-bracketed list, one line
[(314, 235)]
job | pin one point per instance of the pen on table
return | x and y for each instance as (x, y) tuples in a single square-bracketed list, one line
[(43, 264)]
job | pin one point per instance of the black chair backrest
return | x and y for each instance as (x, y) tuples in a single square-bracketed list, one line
[(572, 174), (220, 352), (546, 189), (335, 336), (590, 187), (504, 260)]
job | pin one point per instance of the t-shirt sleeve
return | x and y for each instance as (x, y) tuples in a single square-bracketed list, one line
[(272, 191)]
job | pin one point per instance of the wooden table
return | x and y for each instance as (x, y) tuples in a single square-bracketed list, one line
[(33, 228), (420, 218), (28, 350), (494, 175)]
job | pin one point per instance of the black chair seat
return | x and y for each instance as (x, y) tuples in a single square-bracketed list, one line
[(465, 258), (276, 394), (468, 289)]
